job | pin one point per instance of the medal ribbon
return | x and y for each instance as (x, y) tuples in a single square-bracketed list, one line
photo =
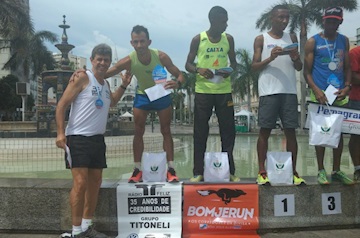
[(331, 54)]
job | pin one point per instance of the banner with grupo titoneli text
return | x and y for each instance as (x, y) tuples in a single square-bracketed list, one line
[(149, 210), (219, 210), (351, 122)]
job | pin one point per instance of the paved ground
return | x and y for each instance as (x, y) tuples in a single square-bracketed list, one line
[(346, 233)]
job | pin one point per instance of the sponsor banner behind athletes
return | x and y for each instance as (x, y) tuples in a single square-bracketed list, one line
[(351, 123), (220, 209), (149, 210)]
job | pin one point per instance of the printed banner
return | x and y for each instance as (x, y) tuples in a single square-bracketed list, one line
[(220, 209), (149, 210), (351, 123)]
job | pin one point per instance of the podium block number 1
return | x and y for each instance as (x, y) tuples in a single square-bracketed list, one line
[(284, 205), (331, 203)]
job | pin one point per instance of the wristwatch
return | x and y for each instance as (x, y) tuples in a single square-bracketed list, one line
[(348, 85)]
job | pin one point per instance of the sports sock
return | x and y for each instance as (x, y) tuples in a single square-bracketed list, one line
[(138, 165), (170, 164), (85, 223), (76, 230)]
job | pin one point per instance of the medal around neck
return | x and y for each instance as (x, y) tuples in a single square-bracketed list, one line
[(99, 103), (332, 66), (159, 74)]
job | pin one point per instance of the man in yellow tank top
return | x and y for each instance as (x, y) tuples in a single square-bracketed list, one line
[(213, 49), (141, 62)]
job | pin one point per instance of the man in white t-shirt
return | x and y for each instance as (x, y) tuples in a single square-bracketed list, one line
[(277, 87)]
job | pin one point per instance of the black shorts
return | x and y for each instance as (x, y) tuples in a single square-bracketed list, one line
[(283, 106), (86, 151)]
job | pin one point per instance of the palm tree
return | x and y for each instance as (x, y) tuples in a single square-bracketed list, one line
[(14, 19), (28, 52), (244, 80), (304, 13)]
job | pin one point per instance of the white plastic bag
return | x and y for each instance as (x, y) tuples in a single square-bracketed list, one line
[(216, 167), (154, 167), (325, 130), (279, 167)]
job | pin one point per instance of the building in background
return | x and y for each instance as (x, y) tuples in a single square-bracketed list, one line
[(76, 62)]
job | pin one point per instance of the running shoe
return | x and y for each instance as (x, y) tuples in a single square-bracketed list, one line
[(262, 179), (321, 177), (92, 233), (197, 179), (340, 176), (171, 176), (81, 235), (234, 178), (69, 235), (136, 176), (357, 176), (298, 180)]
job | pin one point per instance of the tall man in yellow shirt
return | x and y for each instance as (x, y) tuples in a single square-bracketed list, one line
[(212, 48)]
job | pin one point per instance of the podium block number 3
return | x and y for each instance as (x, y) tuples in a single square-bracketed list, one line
[(331, 203), (284, 205)]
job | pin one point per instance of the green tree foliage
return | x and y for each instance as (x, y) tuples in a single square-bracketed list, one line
[(10, 101), (28, 52), (244, 80), (14, 19)]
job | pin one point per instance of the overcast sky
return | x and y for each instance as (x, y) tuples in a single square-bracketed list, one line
[(171, 23)]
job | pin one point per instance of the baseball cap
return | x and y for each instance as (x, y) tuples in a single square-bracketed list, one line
[(333, 12)]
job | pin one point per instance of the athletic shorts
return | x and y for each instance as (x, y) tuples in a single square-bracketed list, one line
[(336, 102), (142, 102), (283, 106), (86, 151)]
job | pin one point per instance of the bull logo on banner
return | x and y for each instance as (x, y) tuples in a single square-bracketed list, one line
[(225, 194)]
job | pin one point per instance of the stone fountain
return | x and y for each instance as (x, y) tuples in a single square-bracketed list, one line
[(56, 79)]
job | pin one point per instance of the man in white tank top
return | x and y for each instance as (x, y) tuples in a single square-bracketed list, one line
[(277, 87), (90, 98)]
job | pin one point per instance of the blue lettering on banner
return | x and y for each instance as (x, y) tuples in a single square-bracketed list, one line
[(347, 115), (351, 123)]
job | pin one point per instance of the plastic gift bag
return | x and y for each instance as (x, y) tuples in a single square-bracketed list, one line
[(279, 167), (325, 130), (216, 167), (154, 167)]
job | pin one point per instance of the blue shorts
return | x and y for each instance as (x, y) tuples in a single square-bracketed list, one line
[(142, 102)]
